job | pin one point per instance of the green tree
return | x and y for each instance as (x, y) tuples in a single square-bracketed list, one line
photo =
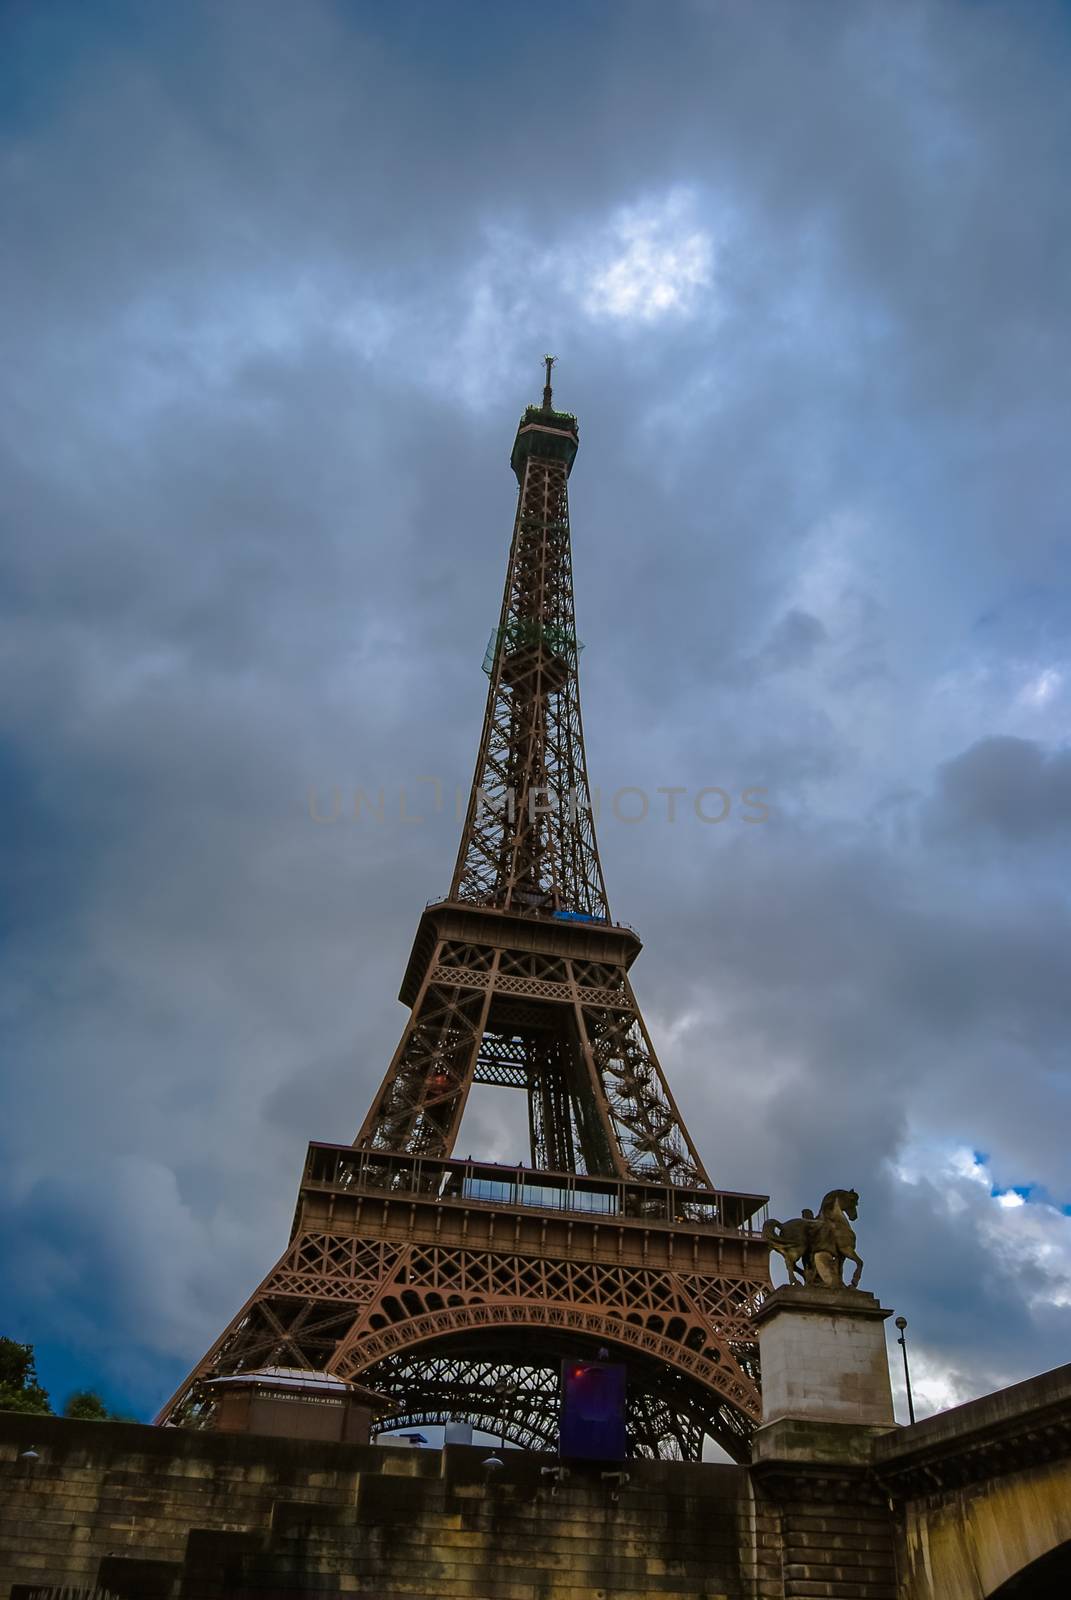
[(19, 1388), (85, 1406)]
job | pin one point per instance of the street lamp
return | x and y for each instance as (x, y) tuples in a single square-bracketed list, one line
[(901, 1323), (506, 1392)]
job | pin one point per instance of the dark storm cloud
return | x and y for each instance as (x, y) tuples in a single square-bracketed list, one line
[(1011, 786), (278, 285), (792, 642)]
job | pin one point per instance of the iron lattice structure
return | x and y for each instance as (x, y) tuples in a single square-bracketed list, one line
[(456, 1287)]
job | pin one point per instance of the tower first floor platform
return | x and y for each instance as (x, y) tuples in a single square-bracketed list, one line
[(456, 1288)]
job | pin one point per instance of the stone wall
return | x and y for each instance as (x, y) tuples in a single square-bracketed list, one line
[(947, 1510), (162, 1512)]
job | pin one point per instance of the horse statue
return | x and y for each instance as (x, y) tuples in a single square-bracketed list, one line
[(815, 1248)]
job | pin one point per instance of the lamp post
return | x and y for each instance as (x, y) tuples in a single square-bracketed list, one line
[(901, 1323), (506, 1392)]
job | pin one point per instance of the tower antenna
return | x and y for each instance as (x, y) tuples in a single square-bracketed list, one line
[(549, 362)]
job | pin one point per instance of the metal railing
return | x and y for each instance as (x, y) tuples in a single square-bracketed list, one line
[(481, 1183), (478, 905)]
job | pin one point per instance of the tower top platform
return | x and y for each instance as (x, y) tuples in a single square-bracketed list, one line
[(551, 435), (544, 432)]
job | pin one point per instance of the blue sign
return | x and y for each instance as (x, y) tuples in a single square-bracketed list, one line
[(592, 1424)]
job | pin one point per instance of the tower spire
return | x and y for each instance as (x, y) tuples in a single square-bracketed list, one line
[(548, 362), (528, 844)]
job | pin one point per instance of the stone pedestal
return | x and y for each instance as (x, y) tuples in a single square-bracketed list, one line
[(826, 1400), (823, 1357)]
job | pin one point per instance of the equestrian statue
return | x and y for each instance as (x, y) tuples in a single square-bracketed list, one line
[(815, 1248)]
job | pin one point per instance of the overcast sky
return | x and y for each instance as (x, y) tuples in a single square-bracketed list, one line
[(276, 283)]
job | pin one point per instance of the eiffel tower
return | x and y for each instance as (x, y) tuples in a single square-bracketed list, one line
[(457, 1287)]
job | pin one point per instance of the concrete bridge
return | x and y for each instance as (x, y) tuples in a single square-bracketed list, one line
[(982, 1496)]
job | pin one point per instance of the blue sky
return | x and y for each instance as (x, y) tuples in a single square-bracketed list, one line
[(277, 282)]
